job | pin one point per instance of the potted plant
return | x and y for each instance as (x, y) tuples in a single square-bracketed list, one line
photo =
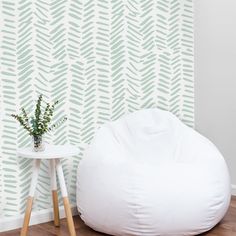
[(39, 124)]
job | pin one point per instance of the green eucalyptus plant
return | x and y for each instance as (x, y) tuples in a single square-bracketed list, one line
[(39, 124)]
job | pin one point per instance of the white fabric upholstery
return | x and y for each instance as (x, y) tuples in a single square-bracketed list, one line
[(148, 174)]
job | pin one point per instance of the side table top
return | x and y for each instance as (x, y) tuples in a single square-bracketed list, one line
[(50, 152)]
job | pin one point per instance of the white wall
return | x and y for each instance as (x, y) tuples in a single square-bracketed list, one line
[(215, 75)]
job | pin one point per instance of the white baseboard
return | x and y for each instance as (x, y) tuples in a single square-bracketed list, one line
[(233, 189), (42, 216)]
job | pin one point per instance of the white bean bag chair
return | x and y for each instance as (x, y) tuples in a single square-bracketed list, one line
[(148, 174)]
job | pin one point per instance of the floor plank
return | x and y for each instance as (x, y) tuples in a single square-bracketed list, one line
[(227, 227)]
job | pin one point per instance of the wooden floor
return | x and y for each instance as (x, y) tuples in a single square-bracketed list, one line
[(227, 227)]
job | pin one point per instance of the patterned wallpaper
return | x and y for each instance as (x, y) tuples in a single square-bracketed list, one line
[(100, 59)]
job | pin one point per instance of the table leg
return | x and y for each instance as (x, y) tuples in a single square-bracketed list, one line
[(30, 197), (66, 203), (54, 192)]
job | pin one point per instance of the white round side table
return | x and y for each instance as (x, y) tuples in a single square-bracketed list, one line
[(53, 153)]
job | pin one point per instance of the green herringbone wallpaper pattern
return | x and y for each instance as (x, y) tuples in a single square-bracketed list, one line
[(100, 59)]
